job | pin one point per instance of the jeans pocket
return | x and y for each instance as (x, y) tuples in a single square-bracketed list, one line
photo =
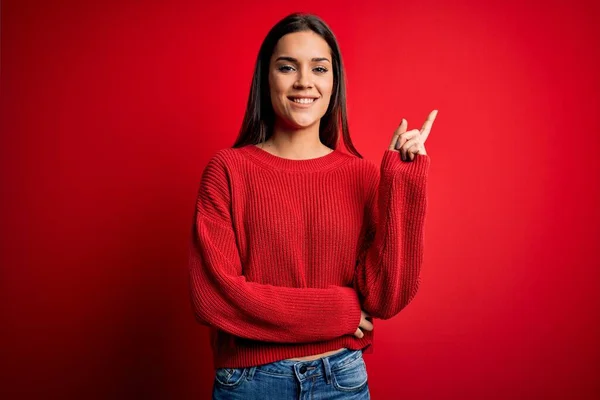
[(351, 377), (230, 377)]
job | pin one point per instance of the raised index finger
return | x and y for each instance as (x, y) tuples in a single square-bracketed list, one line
[(427, 125)]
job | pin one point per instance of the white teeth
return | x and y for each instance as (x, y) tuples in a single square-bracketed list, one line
[(303, 101)]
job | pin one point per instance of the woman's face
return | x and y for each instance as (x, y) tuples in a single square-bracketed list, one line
[(300, 79)]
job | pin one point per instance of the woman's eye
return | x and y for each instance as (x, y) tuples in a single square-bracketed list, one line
[(285, 68), (288, 68)]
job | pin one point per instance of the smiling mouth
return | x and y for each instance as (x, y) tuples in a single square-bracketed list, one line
[(302, 100)]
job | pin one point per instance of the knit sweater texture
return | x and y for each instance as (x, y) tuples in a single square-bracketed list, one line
[(285, 253)]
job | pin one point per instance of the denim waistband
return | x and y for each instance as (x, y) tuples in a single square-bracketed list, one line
[(308, 369)]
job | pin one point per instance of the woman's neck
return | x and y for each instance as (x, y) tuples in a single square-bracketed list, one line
[(295, 144), (294, 148)]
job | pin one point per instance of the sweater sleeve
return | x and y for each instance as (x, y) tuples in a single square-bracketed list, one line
[(222, 297), (389, 264)]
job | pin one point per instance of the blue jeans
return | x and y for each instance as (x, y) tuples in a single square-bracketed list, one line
[(340, 376)]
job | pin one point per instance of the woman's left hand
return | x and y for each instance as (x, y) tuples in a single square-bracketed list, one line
[(410, 143)]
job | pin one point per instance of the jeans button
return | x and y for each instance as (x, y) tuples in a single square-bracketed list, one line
[(303, 369)]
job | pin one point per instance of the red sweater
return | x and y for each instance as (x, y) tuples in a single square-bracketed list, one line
[(285, 253)]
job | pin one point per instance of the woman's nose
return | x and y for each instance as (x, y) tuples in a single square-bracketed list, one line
[(304, 80)]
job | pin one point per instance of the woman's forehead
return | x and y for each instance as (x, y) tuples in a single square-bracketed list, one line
[(304, 45)]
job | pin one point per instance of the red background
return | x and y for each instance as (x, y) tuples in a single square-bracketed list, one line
[(110, 111)]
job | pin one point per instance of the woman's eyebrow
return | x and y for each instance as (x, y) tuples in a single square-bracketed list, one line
[(292, 59)]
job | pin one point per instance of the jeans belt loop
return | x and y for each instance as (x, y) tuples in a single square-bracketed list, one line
[(251, 372), (327, 370)]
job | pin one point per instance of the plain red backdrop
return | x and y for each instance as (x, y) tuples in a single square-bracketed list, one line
[(110, 111)]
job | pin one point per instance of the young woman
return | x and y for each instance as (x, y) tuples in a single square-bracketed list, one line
[(297, 245)]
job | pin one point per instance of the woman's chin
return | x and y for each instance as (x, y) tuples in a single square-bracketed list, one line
[(301, 123)]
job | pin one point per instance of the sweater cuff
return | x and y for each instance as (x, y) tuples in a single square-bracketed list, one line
[(351, 318), (392, 162)]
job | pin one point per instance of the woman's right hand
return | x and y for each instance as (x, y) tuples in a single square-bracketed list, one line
[(364, 325)]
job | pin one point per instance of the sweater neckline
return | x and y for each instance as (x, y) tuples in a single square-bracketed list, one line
[(328, 161)]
